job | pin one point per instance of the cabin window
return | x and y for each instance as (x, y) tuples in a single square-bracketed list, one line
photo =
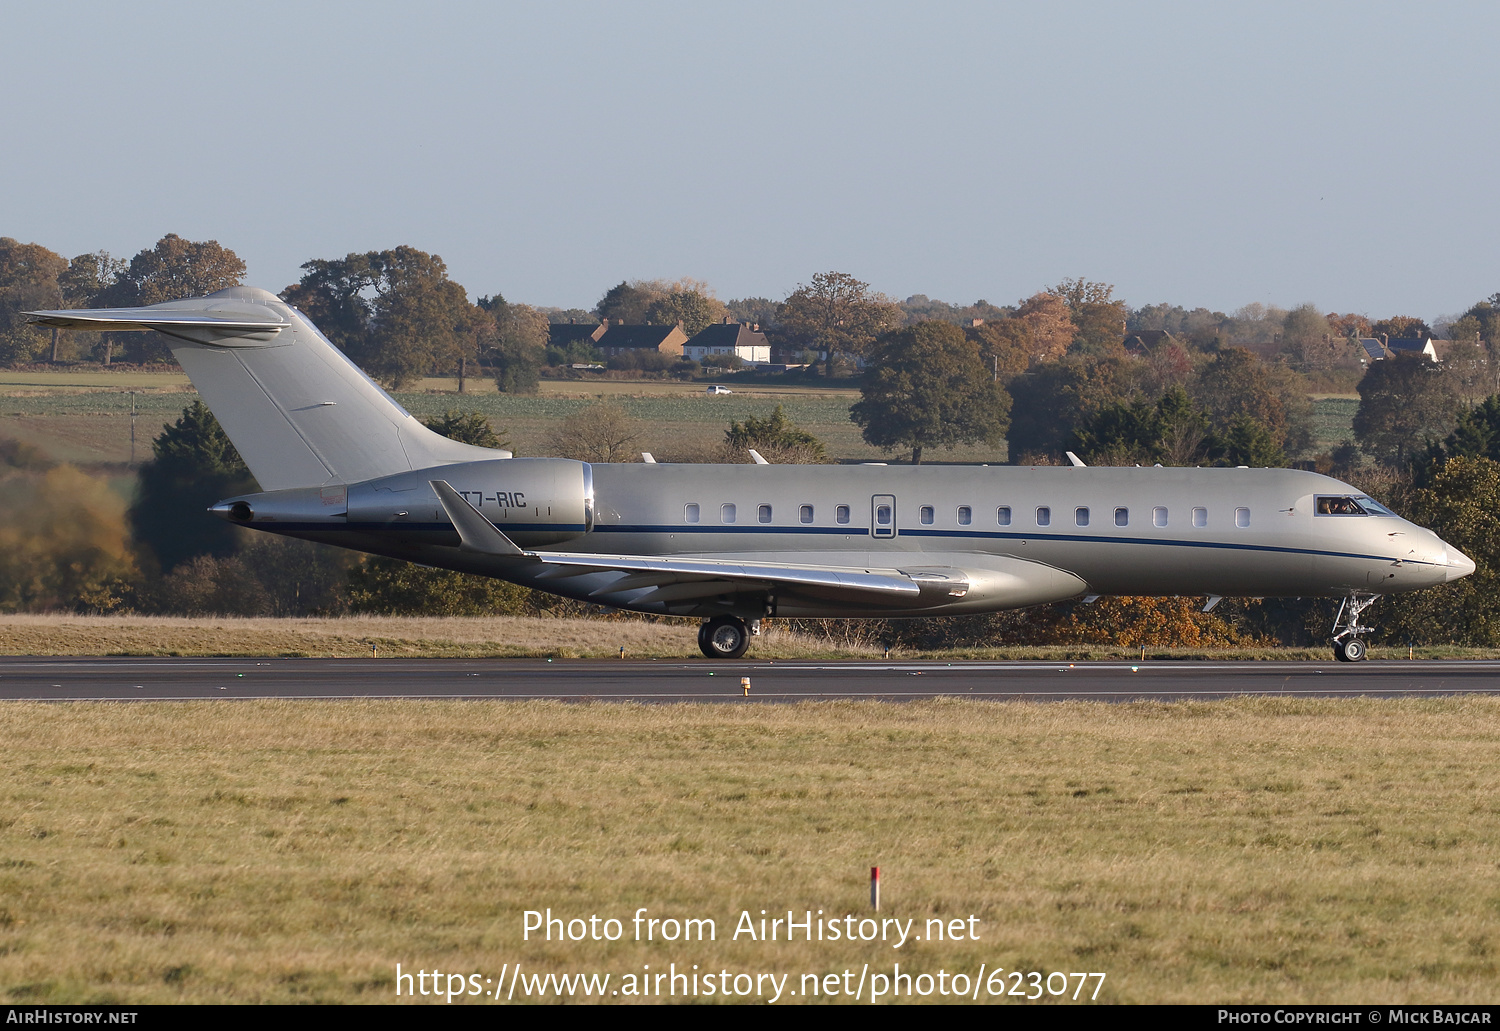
[(1081, 516), (883, 515), (726, 512), (841, 514), (1002, 515), (965, 515), (690, 512), (1242, 517), (764, 513), (1044, 517), (926, 515), (805, 513), (1158, 516), (1200, 517), (1122, 517)]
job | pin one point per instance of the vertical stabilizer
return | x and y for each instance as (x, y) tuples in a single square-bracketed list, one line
[(300, 413)]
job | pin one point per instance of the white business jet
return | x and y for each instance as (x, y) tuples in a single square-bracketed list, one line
[(342, 463)]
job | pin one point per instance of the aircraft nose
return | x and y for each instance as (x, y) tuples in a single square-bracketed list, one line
[(1459, 564)]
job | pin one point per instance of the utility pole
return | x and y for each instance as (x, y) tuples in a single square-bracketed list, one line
[(132, 428)]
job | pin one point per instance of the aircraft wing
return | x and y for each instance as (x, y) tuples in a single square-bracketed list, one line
[(669, 578), (674, 579)]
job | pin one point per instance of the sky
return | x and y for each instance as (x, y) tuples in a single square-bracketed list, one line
[(1203, 154)]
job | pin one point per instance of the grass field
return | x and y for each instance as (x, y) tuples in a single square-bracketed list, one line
[(521, 636), (1250, 851), (84, 417)]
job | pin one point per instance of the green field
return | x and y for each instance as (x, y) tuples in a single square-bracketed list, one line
[(85, 418), (1262, 850)]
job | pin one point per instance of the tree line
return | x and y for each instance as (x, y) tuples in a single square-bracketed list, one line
[(1048, 374)]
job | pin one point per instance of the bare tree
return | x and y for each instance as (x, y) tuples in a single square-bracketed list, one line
[(602, 432)]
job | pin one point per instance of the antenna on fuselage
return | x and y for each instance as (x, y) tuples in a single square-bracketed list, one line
[(1077, 462), (756, 455)]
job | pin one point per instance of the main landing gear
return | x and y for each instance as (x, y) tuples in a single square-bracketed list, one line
[(725, 637), (1347, 647)]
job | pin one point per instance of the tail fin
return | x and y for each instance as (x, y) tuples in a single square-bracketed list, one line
[(300, 413)]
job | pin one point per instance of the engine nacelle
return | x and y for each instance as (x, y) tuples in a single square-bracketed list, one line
[(534, 501)]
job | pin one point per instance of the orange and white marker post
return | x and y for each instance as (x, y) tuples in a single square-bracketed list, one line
[(875, 888), (745, 683)]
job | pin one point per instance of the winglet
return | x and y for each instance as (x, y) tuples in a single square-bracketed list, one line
[(476, 532), (757, 456), (1077, 462), (648, 458)]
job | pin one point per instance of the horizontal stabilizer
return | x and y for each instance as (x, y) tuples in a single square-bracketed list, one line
[(130, 319)]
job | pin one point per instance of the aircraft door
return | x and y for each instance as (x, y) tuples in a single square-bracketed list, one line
[(883, 515)]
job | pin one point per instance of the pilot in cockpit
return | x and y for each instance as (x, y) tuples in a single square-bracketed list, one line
[(1338, 506)]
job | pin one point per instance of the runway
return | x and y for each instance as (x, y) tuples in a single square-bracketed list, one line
[(74, 679)]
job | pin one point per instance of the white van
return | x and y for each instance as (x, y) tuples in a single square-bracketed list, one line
[(717, 389)]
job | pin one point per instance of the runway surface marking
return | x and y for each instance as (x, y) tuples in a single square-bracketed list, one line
[(124, 679)]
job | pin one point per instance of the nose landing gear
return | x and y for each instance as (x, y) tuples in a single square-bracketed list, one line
[(1347, 647)]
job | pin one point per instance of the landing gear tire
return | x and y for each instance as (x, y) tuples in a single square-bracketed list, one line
[(724, 637), (1347, 647)]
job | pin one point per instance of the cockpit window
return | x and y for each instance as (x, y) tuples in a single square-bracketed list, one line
[(1327, 505), (1373, 507)]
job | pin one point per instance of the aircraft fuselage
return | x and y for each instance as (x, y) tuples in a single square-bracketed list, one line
[(1023, 535)]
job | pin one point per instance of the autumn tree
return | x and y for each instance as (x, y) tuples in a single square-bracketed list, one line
[(838, 314), (173, 269), (86, 284), (1460, 502), (601, 432), (395, 313), (692, 309), (1006, 346), (1469, 369), (1403, 403), (515, 343), (1480, 325), (925, 386), (63, 543), (1051, 325), (628, 302), (1236, 383), (28, 282), (1399, 327), (1348, 325), (1095, 313), (1054, 397), (1306, 338), (1166, 364)]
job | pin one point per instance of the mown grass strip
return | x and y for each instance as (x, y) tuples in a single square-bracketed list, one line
[(1252, 850)]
